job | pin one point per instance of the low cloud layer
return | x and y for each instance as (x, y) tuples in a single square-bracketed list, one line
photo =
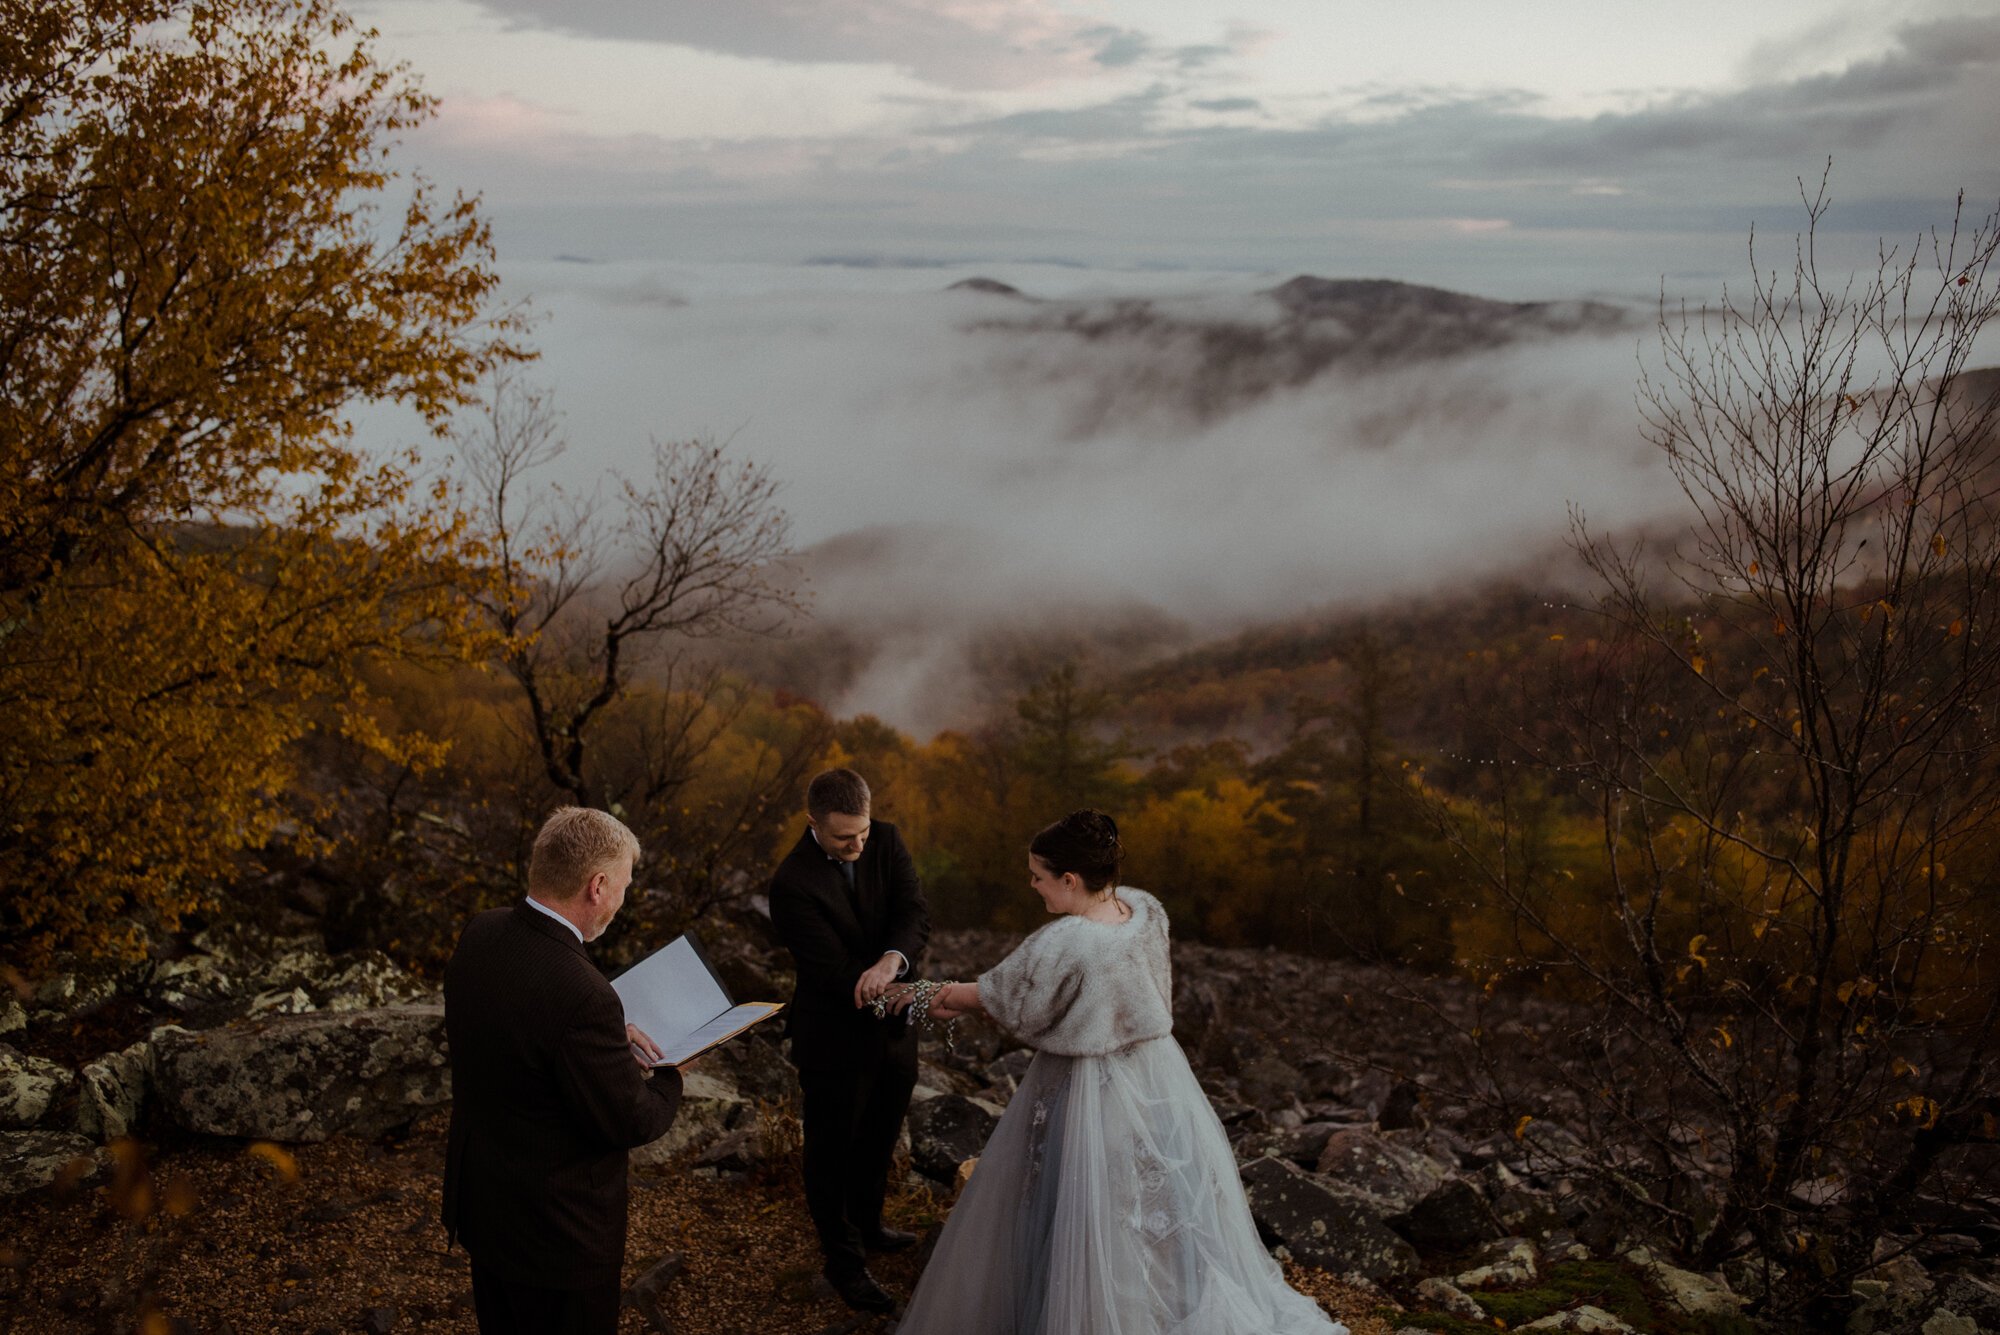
[(930, 448)]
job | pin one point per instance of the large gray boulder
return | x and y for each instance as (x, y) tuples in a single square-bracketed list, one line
[(710, 1107), (31, 1160), (1394, 1173), (304, 1077), (1972, 1298), (31, 1088), (1326, 1225)]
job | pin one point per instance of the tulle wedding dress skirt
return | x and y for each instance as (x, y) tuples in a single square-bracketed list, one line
[(1107, 1203)]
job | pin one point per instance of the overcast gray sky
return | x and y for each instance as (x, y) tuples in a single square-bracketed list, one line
[(1544, 146)]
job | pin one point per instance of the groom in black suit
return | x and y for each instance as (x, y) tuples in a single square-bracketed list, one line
[(847, 904), (547, 1091)]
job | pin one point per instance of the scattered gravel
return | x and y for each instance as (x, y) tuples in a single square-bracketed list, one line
[(223, 1238)]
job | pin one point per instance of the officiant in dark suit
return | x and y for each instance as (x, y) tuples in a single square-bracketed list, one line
[(847, 903), (547, 1091)]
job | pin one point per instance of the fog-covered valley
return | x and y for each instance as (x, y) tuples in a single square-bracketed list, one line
[(1126, 462)]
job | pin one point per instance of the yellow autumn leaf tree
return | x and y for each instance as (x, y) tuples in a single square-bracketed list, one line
[(206, 262)]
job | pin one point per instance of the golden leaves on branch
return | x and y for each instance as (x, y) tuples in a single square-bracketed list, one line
[(194, 556)]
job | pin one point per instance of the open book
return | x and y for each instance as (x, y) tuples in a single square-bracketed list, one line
[(675, 997)]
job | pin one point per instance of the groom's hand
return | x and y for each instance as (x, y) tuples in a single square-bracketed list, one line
[(877, 980)]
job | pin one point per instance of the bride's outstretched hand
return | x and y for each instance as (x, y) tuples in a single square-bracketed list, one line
[(942, 1008)]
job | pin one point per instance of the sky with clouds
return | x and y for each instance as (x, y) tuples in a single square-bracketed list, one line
[(1546, 147), (737, 219)]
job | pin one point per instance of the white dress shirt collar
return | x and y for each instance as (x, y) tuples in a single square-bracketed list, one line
[(540, 907)]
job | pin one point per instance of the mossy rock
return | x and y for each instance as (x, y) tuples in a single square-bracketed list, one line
[(1618, 1288)]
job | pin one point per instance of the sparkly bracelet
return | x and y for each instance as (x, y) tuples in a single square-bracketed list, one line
[(925, 991)]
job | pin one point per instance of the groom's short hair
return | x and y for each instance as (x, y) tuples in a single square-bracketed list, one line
[(575, 844), (840, 790)]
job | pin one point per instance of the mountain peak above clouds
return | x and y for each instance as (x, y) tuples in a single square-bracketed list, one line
[(1360, 301), (992, 286), (1149, 362)]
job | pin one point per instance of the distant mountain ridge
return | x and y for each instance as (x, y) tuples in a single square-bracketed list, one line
[(1206, 357)]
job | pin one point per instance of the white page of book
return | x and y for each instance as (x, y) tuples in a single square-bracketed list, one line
[(670, 994), (726, 1025)]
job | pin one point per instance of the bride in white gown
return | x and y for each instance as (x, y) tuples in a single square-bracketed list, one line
[(1106, 1201)]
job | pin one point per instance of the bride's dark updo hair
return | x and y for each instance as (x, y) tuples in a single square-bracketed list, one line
[(1084, 842)]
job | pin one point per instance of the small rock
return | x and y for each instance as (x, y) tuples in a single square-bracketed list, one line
[(30, 1088), (964, 1174), (1267, 1082), (1304, 1145), (1448, 1298), (1753, 1276), (66, 995), (378, 1320), (1523, 1211), (281, 1002), (32, 1160), (1549, 1148), (737, 1151), (1449, 1219), (1946, 1322), (1696, 1295), (1586, 1318), (1010, 1065), (13, 1017), (1499, 1264), (1561, 1246), (191, 983), (756, 1068), (369, 982), (933, 1080), (113, 1093), (1381, 1166), (945, 1132)]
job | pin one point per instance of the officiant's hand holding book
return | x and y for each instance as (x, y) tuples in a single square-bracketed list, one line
[(676, 1007)]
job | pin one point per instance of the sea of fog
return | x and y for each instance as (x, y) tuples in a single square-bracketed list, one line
[(951, 463)]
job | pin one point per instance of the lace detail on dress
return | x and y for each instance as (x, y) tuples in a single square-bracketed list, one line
[(1156, 1215), (1039, 1131)]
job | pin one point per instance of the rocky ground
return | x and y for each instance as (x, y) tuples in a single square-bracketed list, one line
[(248, 1139)]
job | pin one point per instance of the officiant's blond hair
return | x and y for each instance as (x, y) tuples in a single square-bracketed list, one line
[(575, 844)]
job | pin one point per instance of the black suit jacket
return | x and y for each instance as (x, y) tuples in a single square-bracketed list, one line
[(546, 1100), (836, 935)]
